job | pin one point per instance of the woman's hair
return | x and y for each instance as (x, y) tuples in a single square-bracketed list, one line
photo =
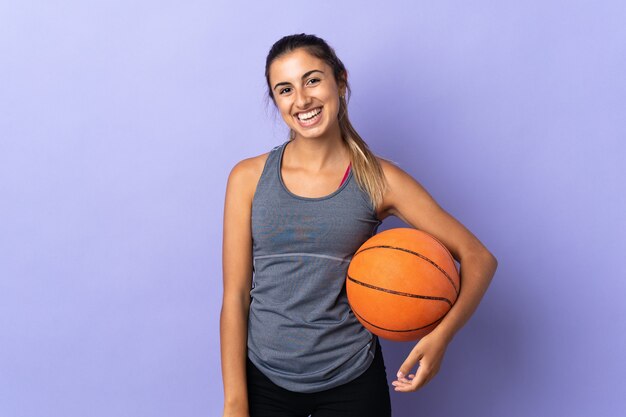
[(365, 166)]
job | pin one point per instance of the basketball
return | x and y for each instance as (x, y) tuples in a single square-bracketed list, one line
[(401, 283)]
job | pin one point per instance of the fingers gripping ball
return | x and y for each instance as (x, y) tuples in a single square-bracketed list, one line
[(401, 283)]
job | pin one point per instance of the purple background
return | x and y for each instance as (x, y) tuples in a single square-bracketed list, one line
[(119, 124)]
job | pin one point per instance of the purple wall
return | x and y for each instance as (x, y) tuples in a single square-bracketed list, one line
[(120, 121)]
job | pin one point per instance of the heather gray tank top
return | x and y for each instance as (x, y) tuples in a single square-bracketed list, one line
[(302, 333)]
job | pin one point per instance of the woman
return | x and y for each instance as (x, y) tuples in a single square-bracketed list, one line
[(294, 216)]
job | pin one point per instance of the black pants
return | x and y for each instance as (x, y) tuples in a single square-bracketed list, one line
[(365, 396)]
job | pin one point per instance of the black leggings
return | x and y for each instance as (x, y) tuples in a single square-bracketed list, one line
[(365, 396)]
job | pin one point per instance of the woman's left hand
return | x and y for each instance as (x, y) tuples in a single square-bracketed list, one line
[(428, 352)]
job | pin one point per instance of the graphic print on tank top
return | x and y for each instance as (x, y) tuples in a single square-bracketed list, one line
[(302, 333)]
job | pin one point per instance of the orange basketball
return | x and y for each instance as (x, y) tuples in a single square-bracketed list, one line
[(401, 283)]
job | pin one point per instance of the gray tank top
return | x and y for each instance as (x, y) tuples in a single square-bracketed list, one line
[(302, 333)]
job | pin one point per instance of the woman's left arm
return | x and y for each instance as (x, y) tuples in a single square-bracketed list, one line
[(406, 199)]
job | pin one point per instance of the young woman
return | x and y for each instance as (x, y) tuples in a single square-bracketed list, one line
[(293, 217)]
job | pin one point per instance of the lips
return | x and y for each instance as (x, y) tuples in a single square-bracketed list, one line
[(305, 115), (314, 116)]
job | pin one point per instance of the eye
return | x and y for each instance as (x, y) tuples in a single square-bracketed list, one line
[(317, 80), (281, 91)]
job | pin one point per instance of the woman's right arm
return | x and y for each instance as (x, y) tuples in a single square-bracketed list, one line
[(237, 277)]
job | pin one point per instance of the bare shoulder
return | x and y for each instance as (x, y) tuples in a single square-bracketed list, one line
[(246, 173), (396, 179), (401, 189), (391, 169)]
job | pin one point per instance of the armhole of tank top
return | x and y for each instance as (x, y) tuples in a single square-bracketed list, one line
[(367, 202), (267, 160)]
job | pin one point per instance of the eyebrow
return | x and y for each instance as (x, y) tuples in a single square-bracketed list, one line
[(306, 74)]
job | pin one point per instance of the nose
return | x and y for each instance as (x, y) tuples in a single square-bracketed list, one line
[(302, 99)]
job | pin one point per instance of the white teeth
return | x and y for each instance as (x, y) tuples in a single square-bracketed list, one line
[(312, 113)]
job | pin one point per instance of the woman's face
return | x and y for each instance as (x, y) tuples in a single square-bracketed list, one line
[(306, 93)]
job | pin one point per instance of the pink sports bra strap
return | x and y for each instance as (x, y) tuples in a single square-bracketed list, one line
[(346, 174)]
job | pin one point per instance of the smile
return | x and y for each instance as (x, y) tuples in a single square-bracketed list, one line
[(309, 118)]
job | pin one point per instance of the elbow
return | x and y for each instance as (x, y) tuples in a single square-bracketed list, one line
[(485, 258), (491, 261)]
